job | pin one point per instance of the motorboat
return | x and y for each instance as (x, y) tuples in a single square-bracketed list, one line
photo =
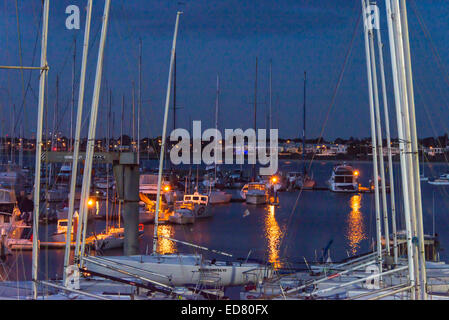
[(255, 193), (443, 180), (183, 213), (194, 206), (61, 229), (219, 197), (344, 179), (148, 186)]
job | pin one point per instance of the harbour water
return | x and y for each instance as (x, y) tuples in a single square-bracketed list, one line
[(286, 235)]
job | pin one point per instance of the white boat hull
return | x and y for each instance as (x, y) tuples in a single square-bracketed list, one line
[(256, 198), (181, 270), (439, 183), (219, 197)]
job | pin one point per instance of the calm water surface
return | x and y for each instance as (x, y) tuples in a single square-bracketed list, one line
[(300, 227)]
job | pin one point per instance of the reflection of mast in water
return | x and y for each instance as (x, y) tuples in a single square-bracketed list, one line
[(273, 234), (355, 232), (166, 246)]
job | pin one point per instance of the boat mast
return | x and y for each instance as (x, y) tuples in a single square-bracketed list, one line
[(140, 101), (304, 128), (79, 119), (390, 157), (395, 48), (91, 136), (216, 128), (164, 130), (174, 94), (271, 93), (415, 155), (255, 119), (73, 93), (367, 33), (133, 117), (37, 173), (379, 142)]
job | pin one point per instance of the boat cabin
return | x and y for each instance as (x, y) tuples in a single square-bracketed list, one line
[(196, 199), (257, 186)]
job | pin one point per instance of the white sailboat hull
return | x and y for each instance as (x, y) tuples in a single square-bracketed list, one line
[(180, 270)]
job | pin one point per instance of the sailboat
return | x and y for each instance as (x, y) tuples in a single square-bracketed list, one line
[(305, 181), (180, 269), (214, 179)]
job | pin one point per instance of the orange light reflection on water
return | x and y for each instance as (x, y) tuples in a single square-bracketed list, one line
[(273, 234), (166, 246), (356, 227)]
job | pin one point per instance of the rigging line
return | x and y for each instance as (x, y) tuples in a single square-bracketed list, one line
[(29, 78), (20, 57), (443, 191), (348, 52), (426, 109), (426, 32), (435, 135)]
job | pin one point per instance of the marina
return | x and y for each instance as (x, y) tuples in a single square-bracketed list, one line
[(92, 210)]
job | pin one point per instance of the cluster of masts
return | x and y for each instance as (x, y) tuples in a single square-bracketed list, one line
[(406, 125), (408, 143)]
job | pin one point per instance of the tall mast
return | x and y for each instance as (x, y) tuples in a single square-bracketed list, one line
[(216, 124), (73, 93), (91, 135), (76, 148), (13, 132), (140, 101), (379, 143), (37, 173), (174, 95), (414, 146), (271, 95), (304, 126), (255, 118), (367, 33), (122, 120), (134, 116), (164, 130), (395, 47), (388, 136)]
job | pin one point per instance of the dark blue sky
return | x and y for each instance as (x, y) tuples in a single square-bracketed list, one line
[(225, 37)]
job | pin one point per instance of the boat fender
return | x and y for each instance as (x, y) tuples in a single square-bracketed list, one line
[(373, 283)]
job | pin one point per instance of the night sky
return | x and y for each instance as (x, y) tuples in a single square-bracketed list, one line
[(224, 38)]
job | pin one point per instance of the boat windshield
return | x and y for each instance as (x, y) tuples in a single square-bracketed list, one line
[(256, 187), (343, 172)]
